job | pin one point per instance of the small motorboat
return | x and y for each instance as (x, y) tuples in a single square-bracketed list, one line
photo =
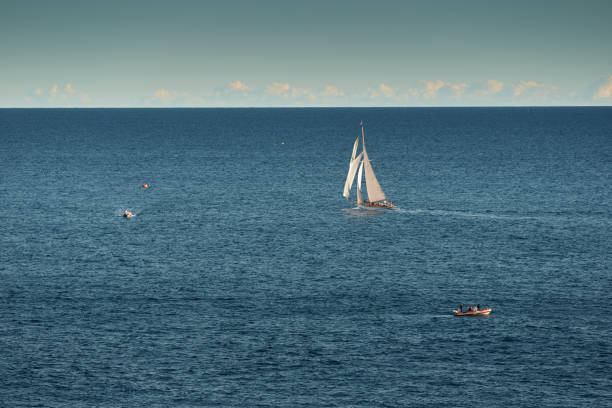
[(128, 214), (482, 312)]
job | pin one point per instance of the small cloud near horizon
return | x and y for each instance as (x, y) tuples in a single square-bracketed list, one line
[(604, 91), (303, 92), (488, 88), (238, 85), (524, 86), (459, 89), (287, 91), (494, 86), (279, 89), (331, 91), (432, 88), (385, 91), (163, 95), (58, 95)]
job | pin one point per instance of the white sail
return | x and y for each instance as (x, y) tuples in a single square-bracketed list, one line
[(349, 178), (355, 149), (359, 176), (375, 193), (351, 175)]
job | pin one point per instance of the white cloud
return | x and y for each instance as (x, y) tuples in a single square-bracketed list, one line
[(524, 86), (490, 87), (279, 88), (59, 95), (166, 97), (432, 88), (331, 91), (494, 86), (302, 92), (287, 91), (459, 89), (604, 91), (412, 93), (163, 95), (238, 86), (385, 91), (444, 89), (388, 95)]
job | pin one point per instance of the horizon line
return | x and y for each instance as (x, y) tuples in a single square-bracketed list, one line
[(305, 107)]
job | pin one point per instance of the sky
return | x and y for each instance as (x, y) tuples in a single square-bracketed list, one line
[(305, 53)]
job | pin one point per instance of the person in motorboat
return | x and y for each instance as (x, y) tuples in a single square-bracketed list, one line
[(128, 214), (473, 311)]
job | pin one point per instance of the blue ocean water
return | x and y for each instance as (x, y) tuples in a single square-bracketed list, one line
[(245, 278)]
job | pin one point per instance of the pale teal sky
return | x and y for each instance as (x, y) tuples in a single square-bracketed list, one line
[(296, 53)]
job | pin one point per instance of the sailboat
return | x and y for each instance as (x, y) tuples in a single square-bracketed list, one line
[(360, 163)]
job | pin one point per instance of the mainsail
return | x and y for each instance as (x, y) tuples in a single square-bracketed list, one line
[(375, 193)]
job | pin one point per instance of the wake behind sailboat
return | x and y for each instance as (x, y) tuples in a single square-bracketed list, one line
[(359, 163)]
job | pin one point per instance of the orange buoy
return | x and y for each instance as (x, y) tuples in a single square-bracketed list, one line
[(145, 186)]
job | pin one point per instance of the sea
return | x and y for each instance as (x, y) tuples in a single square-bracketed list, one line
[(245, 279)]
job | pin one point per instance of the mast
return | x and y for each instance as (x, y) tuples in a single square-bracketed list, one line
[(362, 136), (359, 196), (359, 176)]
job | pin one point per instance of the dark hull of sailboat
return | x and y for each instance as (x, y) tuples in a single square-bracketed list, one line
[(388, 206)]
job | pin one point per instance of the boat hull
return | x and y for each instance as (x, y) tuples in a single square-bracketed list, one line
[(483, 312), (388, 206)]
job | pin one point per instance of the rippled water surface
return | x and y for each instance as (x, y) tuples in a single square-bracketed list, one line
[(245, 278)]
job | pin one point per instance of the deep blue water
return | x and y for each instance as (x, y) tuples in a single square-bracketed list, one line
[(247, 280)]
